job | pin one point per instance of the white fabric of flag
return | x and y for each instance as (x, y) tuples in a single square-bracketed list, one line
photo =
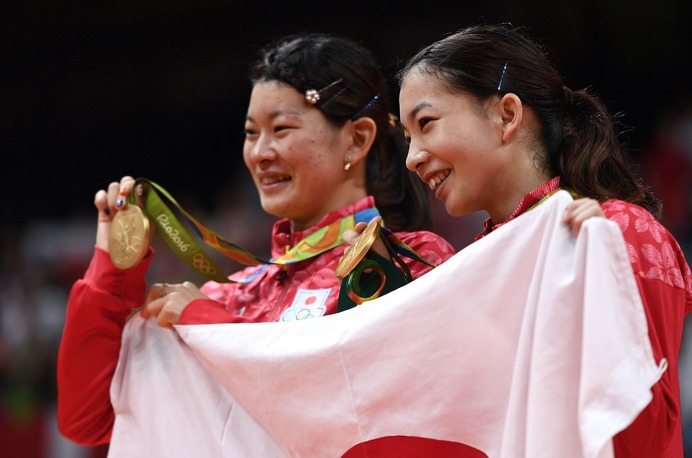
[(527, 343)]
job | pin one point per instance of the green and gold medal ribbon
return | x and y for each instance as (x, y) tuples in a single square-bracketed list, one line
[(157, 207)]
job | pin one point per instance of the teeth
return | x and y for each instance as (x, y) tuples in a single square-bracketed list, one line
[(272, 180), (437, 179)]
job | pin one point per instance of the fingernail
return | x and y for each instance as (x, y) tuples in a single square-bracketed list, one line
[(119, 203)]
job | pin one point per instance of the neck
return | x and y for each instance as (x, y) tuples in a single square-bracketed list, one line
[(509, 199), (343, 200)]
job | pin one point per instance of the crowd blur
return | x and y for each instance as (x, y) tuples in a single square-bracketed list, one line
[(40, 262)]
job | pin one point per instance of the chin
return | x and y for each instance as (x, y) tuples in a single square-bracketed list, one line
[(273, 208), (454, 210)]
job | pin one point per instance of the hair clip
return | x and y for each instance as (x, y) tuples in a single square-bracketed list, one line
[(366, 107), (502, 77), (313, 95)]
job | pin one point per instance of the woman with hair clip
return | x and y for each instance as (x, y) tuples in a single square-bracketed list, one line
[(491, 126), (324, 155)]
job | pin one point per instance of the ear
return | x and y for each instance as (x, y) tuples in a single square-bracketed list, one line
[(512, 113), (363, 131)]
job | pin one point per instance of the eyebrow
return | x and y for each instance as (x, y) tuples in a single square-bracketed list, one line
[(276, 113), (414, 112)]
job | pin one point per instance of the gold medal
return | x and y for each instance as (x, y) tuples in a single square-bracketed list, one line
[(356, 252), (129, 237)]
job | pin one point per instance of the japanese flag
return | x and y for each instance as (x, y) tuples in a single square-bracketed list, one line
[(527, 343)]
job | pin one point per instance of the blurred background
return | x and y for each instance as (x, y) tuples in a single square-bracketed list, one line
[(92, 91)]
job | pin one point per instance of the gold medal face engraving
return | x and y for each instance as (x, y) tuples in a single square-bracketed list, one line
[(356, 252), (129, 237)]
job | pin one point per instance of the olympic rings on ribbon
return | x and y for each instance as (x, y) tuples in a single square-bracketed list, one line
[(203, 265)]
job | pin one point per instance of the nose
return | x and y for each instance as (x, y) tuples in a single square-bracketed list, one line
[(415, 158), (259, 149)]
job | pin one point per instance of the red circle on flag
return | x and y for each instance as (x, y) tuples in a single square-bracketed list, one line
[(412, 447)]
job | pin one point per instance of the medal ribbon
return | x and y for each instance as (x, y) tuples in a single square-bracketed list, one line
[(401, 248), (187, 248), (572, 192)]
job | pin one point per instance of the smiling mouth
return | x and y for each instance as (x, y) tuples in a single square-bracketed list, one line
[(437, 179), (274, 180)]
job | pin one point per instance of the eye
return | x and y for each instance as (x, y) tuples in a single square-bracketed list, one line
[(422, 122), (249, 133)]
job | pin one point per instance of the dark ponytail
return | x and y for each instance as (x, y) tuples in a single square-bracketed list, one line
[(592, 159)]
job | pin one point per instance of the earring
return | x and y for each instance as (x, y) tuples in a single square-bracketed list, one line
[(347, 166)]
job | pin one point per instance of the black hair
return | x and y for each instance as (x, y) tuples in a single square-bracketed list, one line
[(580, 137), (351, 85)]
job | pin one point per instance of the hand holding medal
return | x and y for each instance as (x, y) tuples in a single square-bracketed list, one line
[(363, 258), (355, 253), (352, 266), (130, 231)]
